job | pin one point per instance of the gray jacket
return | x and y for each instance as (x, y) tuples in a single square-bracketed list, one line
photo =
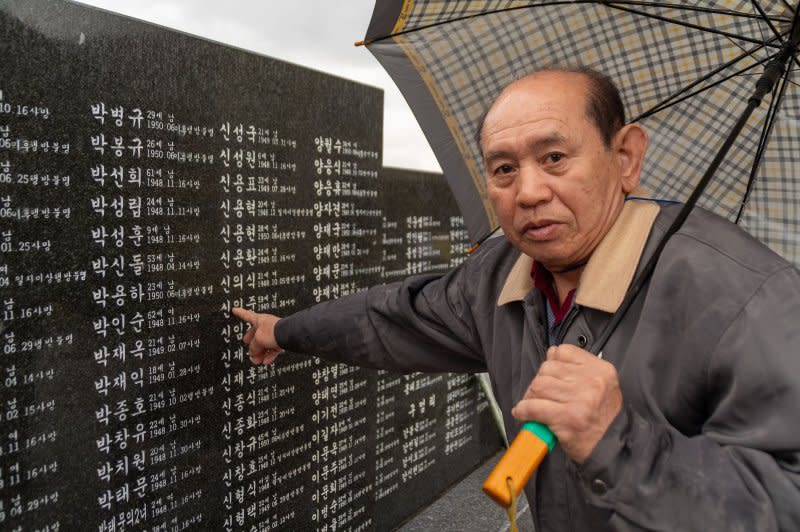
[(708, 361)]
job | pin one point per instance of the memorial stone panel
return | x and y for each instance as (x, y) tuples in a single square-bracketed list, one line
[(149, 182), (427, 424)]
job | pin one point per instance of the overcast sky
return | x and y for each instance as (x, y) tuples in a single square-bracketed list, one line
[(313, 33)]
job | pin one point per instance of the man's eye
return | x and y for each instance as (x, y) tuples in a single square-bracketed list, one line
[(554, 157), (504, 169)]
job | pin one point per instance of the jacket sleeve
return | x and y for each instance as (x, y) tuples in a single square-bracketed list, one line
[(742, 472), (424, 323)]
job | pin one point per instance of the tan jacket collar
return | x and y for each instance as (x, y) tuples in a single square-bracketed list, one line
[(610, 269)]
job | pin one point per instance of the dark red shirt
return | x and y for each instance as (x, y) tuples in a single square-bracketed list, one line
[(543, 280)]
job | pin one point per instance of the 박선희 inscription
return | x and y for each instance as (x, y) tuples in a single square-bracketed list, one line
[(149, 181)]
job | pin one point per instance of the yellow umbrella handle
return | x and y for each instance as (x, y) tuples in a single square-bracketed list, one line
[(520, 460)]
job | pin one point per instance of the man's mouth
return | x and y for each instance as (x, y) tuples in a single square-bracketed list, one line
[(540, 230)]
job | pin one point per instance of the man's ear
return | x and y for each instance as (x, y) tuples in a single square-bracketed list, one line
[(630, 145)]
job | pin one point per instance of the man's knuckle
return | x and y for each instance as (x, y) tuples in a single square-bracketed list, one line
[(597, 384), (573, 417), (610, 372), (581, 424)]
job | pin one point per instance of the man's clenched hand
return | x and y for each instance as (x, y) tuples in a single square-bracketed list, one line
[(575, 394)]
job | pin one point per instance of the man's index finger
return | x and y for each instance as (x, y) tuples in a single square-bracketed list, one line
[(243, 314)]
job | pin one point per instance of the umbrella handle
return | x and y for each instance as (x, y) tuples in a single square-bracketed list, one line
[(533, 442)]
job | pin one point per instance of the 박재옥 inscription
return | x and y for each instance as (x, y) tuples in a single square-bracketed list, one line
[(149, 181)]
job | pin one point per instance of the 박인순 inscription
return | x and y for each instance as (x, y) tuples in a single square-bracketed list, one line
[(149, 181)]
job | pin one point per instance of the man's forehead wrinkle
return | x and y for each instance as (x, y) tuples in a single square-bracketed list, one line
[(496, 154), (524, 109), (501, 137), (529, 87), (546, 102), (551, 138), (522, 121)]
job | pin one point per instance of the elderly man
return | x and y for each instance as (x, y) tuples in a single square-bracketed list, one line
[(689, 420)]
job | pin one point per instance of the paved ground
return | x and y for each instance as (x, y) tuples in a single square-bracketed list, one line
[(465, 508)]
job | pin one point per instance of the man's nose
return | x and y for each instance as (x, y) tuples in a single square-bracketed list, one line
[(533, 187)]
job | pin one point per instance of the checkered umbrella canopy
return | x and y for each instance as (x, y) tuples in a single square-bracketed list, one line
[(685, 70)]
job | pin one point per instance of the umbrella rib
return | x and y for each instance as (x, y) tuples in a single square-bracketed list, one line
[(790, 82), (793, 83), (474, 15), (617, 5), (762, 143), (766, 18), (621, 7), (794, 23), (739, 46), (684, 7), (760, 28), (676, 99)]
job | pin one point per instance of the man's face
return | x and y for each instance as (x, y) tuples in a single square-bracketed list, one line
[(555, 187)]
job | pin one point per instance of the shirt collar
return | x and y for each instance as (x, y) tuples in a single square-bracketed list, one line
[(543, 280), (610, 270)]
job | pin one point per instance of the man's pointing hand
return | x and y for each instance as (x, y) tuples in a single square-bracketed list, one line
[(260, 337)]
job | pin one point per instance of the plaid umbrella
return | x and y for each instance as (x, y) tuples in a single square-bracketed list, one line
[(685, 70)]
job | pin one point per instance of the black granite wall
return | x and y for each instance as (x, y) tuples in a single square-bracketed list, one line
[(149, 181)]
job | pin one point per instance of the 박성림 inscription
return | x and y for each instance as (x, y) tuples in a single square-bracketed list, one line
[(149, 181)]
